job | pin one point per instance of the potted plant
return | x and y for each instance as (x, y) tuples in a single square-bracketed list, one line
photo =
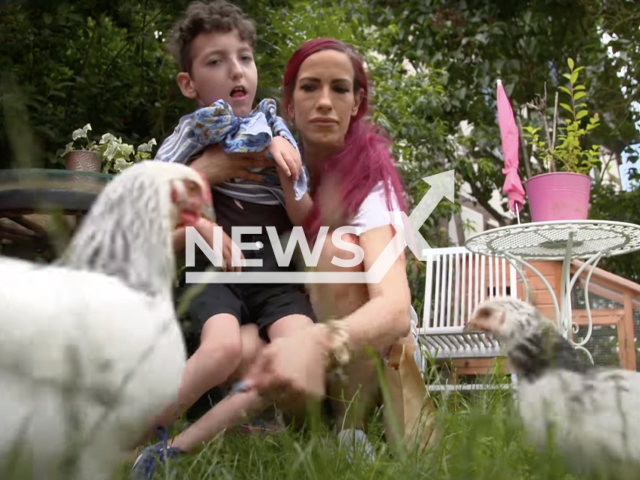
[(564, 192), (108, 155), (81, 155)]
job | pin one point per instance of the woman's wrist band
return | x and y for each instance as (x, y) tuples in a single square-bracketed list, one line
[(338, 340)]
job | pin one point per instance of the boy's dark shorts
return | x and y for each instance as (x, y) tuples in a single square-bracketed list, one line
[(262, 304)]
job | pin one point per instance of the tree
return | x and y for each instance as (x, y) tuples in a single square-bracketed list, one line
[(526, 44), (606, 204), (433, 64), (103, 63)]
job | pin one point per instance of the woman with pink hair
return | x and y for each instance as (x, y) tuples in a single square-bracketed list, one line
[(353, 183)]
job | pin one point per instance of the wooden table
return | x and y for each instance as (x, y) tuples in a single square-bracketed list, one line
[(40, 208)]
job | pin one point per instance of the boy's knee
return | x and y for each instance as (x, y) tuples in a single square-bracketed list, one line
[(251, 342), (231, 348), (222, 353)]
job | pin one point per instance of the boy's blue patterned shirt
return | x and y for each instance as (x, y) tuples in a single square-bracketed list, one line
[(217, 124)]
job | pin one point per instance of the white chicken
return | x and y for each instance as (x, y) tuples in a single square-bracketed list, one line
[(90, 347), (592, 414)]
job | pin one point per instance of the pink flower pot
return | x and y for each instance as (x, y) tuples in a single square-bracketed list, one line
[(559, 196)]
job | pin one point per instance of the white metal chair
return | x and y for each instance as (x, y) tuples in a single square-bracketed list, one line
[(456, 282)]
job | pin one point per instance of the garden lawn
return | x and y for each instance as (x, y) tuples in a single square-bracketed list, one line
[(482, 439)]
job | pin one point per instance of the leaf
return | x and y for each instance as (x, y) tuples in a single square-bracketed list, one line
[(581, 114), (108, 137), (579, 95), (110, 151), (81, 132), (579, 87), (565, 89), (120, 164), (570, 62), (78, 134), (146, 147), (68, 148), (567, 108), (574, 78), (125, 150)]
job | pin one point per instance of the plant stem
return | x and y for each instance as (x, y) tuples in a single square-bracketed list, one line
[(525, 154), (543, 114), (573, 107), (552, 164)]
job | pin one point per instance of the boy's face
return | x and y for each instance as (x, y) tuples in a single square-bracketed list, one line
[(222, 68)]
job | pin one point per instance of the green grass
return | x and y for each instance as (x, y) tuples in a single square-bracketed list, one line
[(482, 439)]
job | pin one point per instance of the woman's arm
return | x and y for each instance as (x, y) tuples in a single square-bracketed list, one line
[(385, 318), (297, 363)]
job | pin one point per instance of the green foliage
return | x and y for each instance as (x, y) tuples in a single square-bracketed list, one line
[(105, 65), (93, 62), (607, 204), (475, 43), (432, 64), (568, 154)]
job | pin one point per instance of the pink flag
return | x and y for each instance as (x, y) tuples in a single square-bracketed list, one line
[(509, 133)]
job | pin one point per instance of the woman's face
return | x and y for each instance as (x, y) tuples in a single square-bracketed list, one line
[(323, 100)]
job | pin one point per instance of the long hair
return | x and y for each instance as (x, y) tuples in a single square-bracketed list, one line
[(365, 160)]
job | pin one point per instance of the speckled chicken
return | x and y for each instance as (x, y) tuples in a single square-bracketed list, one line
[(592, 413), (90, 347)]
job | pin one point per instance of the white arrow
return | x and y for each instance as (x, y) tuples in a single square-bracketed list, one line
[(442, 186)]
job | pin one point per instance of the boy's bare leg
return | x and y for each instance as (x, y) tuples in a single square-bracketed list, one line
[(251, 345), (215, 360), (288, 325), (232, 410), (227, 413)]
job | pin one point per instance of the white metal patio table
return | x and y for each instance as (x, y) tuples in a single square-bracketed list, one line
[(587, 240)]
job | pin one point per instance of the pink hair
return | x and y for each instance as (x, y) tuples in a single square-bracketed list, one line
[(365, 159)]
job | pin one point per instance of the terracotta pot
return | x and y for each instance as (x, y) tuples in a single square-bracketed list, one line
[(559, 196), (84, 161)]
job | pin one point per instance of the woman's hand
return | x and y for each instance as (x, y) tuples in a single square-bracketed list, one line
[(218, 166), (292, 367)]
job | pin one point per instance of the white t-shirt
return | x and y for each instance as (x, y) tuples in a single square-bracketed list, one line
[(374, 211)]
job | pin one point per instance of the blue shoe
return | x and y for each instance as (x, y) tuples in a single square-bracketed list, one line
[(144, 467)]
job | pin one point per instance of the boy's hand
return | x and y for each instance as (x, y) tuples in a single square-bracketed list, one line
[(286, 157), (205, 229)]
